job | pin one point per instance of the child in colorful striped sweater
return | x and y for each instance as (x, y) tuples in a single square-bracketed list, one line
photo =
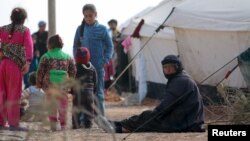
[(83, 103), (54, 68)]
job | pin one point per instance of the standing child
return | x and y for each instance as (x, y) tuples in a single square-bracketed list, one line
[(84, 100), (55, 66), (16, 54), (95, 37)]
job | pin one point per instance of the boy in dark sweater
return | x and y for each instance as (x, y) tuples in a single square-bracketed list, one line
[(83, 103)]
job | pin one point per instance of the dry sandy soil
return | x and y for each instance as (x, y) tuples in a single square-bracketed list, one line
[(115, 111)]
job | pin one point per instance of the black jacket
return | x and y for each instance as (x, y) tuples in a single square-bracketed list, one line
[(86, 74), (182, 106), (41, 42), (181, 110)]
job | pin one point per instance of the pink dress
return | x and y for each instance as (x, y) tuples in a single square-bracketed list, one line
[(17, 51)]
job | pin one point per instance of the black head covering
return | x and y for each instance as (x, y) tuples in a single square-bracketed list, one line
[(173, 59)]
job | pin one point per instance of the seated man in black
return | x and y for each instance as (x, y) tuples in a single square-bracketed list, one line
[(181, 110)]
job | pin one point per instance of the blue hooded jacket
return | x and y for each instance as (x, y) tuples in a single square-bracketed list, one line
[(96, 38)]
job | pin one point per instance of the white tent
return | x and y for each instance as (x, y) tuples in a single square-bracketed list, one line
[(147, 67), (209, 34), (129, 21)]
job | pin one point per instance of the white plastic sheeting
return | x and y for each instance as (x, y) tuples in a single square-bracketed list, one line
[(139, 69), (219, 15), (147, 66)]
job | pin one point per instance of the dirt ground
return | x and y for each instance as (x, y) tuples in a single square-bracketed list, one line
[(114, 111)]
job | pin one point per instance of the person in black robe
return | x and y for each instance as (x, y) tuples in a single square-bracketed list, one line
[(181, 109), (40, 37)]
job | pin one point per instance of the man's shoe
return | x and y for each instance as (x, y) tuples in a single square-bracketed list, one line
[(118, 126), (88, 125)]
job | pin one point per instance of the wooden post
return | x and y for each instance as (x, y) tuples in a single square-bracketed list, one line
[(52, 17)]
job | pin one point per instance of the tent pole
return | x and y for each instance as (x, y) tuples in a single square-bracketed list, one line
[(130, 79), (228, 74), (220, 68)]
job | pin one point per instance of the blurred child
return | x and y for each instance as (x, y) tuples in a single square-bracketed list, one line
[(32, 100), (15, 56), (54, 68), (84, 100)]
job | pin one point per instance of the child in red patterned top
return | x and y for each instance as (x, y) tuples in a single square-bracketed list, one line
[(54, 68), (16, 54)]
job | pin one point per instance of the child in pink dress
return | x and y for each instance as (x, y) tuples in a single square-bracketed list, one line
[(16, 55)]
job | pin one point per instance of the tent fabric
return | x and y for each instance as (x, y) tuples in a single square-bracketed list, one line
[(148, 30), (219, 15), (153, 19), (209, 34), (128, 22), (162, 44), (244, 65), (159, 13), (203, 52), (147, 65), (147, 68), (153, 53)]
